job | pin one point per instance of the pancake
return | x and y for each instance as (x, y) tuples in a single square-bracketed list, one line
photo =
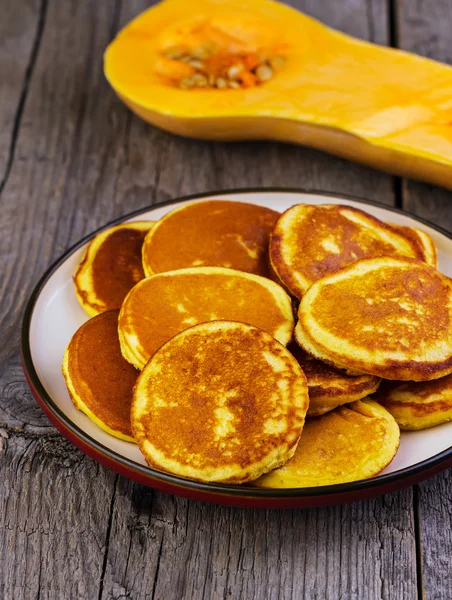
[(111, 267), (309, 242), (388, 316), (417, 405), (330, 387), (353, 442), (425, 242), (100, 382), (220, 402), (216, 233), (161, 306)]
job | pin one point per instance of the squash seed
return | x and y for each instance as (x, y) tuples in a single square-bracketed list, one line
[(264, 72), (186, 83), (174, 52), (221, 83), (277, 61), (197, 64), (234, 71), (199, 80), (199, 53), (204, 51), (234, 85)]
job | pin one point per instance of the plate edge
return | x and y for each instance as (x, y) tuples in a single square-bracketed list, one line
[(400, 475)]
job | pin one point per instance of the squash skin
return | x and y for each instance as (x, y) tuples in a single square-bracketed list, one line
[(333, 141), (314, 101)]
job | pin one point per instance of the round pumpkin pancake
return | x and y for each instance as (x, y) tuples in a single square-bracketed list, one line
[(221, 402), (111, 267), (417, 405), (100, 382), (352, 442), (309, 242), (330, 387), (390, 317), (217, 233), (425, 242), (160, 306)]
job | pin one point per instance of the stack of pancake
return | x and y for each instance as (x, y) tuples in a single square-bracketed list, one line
[(234, 344)]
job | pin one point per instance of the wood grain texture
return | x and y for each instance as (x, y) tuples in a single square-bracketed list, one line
[(364, 20), (71, 529), (55, 501), (434, 507), (20, 35), (424, 27), (171, 548), (55, 505)]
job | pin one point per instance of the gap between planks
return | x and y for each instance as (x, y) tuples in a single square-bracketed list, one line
[(107, 538), (24, 92)]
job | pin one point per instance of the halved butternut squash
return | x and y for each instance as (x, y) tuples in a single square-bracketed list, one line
[(190, 68)]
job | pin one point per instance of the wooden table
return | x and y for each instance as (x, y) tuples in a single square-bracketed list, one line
[(72, 158)]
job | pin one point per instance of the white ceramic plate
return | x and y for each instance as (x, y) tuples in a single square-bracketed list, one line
[(53, 315)]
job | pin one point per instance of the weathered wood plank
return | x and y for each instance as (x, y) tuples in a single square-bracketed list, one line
[(424, 27), (167, 547), (20, 35), (55, 505), (434, 500), (55, 501), (366, 20)]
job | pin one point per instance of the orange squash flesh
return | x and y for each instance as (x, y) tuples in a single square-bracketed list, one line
[(379, 106)]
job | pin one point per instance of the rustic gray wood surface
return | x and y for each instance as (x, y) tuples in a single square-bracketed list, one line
[(72, 158)]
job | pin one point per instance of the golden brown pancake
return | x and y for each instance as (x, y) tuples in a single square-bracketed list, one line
[(417, 405), (330, 387), (425, 242), (217, 233), (352, 442), (220, 402), (309, 242), (111, 267), (161, 306), (100, 382), (388, 316)]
